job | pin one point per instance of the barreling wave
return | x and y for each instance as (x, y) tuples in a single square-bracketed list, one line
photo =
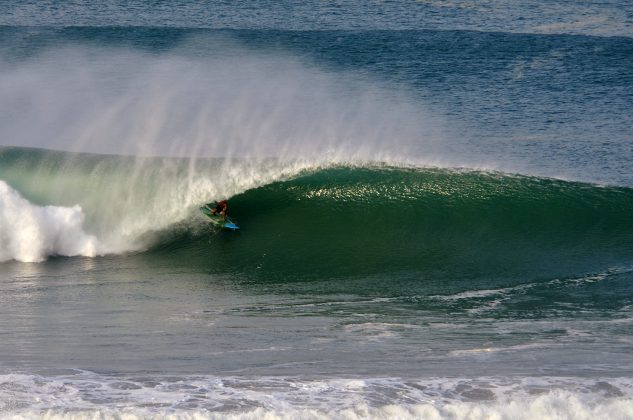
[(303, 220), (374, 219), (115, 203)]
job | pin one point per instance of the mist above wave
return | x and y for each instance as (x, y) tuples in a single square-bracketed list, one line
[(223, 101)]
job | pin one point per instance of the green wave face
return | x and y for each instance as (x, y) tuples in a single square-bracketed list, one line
[(434, 225), (354, 221)]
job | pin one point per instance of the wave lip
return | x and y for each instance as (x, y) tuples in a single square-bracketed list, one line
[(31, 233)]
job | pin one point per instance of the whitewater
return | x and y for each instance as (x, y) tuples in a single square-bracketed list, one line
[(434, 198)]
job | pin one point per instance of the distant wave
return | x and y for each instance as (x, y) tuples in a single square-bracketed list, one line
[(604, 18)]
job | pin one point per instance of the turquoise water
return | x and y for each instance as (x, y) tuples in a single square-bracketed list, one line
[(434, 198)]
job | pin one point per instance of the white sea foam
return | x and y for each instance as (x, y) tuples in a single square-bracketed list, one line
[(87, 395), (30, 233)]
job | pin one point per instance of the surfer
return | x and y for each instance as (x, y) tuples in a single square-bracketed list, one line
[(220, 207)]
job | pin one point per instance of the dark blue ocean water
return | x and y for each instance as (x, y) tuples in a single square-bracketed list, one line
[(434, 200)]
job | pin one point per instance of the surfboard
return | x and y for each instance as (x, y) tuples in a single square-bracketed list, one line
[(217, 220)]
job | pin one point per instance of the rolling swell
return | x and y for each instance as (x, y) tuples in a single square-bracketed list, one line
[(422, 223)]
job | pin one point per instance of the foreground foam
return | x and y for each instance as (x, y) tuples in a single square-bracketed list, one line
[(88, 395)]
